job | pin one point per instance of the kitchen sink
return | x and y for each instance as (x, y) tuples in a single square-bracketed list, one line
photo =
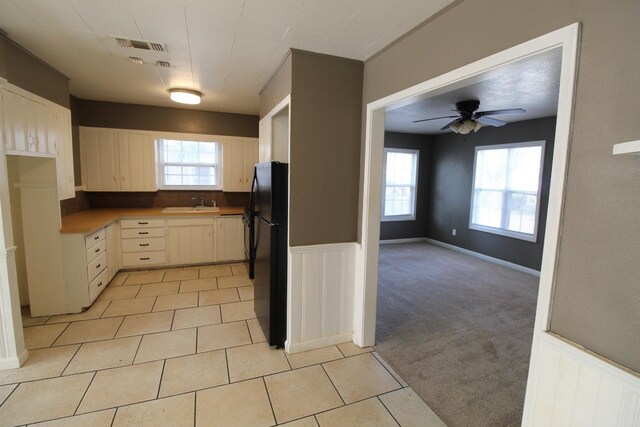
[(191, 209)]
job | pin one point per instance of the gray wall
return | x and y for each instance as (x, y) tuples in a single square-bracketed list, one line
[(417, 227), (326, 98), (452, 161), (22, 69), (144, 117), (596, 302)]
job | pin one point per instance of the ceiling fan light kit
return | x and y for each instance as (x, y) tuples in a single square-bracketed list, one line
[(185, 96), (468, 119)]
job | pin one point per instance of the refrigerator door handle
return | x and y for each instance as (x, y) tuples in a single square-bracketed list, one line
[(253, 187)]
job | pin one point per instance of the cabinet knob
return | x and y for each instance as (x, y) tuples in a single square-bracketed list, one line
[(98, 266)]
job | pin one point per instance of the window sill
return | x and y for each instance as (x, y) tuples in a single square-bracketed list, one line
[(397, 218), (533, 238)]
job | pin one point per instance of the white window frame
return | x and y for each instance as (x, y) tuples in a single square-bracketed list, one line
[(161, 164), (412, 216), (502, 231)]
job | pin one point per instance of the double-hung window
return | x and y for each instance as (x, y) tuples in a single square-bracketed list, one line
[(399, 185), (189, 165), (506, 189)]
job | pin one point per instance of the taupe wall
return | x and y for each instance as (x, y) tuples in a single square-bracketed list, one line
[(452, 158), (418, 226), (130, 116), (596, 302), (278, 87), (22, 69), (326, 98)]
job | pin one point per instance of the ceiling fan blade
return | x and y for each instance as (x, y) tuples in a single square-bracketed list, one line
[(445, 127), (434, 118), (490, 121), (500, 112)]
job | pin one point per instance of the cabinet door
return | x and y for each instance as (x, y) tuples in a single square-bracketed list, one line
[(90, 154), (249, 160), (108, 157), (229, 238), (31, 119), (15, 121), (137, 162), (264, 145), (61, 140), (43, 128), (191, 244), (233, 166)]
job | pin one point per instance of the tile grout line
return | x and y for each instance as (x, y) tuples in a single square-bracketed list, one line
[(387, 409), (55, 340), (266, 389), (164, 362), (334, 386), (85, 392), (69, 362), (226, 359)]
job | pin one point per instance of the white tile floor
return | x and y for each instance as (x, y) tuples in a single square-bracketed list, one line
[(182, 347)]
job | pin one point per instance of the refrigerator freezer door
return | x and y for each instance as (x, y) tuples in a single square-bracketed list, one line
[(263, 198)]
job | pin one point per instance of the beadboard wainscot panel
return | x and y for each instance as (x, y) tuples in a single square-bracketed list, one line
[(573, 387), (320, 296)]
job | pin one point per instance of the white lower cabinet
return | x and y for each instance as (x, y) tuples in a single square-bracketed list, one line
[(229, 238), (86, 266), (143, 242), (191, 240), (114, 258)]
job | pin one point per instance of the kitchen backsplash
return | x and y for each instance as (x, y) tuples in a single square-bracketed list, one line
[(162, 198)]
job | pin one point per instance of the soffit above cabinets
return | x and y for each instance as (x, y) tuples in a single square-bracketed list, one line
[(226, 49), (532, 83)]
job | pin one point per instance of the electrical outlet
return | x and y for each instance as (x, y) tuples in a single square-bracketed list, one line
[(453, 231)]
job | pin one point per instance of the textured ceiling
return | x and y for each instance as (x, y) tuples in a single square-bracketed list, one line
[(532, 84), (228, 49)]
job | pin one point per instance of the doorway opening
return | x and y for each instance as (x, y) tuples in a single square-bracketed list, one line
[(564, 42)]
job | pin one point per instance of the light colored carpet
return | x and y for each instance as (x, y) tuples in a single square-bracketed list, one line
[(458, 329)]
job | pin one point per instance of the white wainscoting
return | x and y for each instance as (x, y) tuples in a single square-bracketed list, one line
[(572, 387), (320, 297)]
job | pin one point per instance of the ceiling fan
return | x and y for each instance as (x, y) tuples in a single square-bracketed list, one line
[(469, 119)]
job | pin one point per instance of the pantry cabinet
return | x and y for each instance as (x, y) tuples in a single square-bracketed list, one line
[(239, 159), (114, 160)]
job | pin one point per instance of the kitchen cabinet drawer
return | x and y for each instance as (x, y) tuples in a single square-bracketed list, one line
[(95, 237), (94, 251), (144, 245), (144, 258), (141, 223), (96, 266), (133, 233), (98, 285)]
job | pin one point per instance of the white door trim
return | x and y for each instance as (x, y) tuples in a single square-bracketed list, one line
[(366, 284)]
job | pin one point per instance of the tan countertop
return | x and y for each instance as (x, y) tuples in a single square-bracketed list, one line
[(93, 219)]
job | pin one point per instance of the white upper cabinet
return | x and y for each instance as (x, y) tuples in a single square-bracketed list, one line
[(34, 126), (137, 162), (60, 143), (114, 160), (239, 159)]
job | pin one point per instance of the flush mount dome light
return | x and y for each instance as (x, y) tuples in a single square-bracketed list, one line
[(185, 96)]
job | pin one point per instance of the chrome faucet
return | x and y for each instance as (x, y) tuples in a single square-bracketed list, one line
[(201, 200)]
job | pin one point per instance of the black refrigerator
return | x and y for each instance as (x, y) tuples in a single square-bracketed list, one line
[(270, 238)]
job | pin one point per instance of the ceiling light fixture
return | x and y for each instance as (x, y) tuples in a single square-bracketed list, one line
[(465, 126), (185, 96)]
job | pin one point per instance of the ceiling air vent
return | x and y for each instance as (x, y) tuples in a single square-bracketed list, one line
[(136, 60), (141, 44), (163, 64)]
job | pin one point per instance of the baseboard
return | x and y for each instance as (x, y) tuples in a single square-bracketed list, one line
[(318, 343), (14, 362), (485, 257), (407, 240)]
